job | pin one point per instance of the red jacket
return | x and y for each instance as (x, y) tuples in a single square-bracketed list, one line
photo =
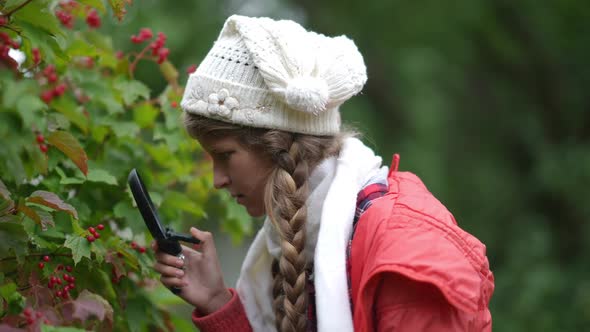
[(412, 268)]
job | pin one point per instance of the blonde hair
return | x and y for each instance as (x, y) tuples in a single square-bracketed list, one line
[(294, 156)]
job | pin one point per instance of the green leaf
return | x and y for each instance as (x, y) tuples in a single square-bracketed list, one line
[(179, 201), (46, 43), (37, 14), (10, 4), (102, 42), (30, 105), (145, 115), (98, 4), (4, 191), (101, 175), (70, 146), (80, 47), (72, 112), (132, 90), (41, 217), (122, 128), (79, 245), (13, 237), (51, 200)]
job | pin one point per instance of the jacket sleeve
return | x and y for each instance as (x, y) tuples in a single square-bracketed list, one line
[(403, 304), (231, 317)]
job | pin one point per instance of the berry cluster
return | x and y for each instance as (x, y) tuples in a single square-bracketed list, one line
[(137, 247), (61, 282), (157, 46), (69, 8), (32, 316), (94, 235), (191, 69), (6, 43), (57, 90), (41, 141)]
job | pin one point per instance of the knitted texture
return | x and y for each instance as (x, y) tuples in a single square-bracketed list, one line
[(275, 74), (230, 317)]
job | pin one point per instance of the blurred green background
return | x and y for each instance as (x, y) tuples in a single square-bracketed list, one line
[(486, 100)]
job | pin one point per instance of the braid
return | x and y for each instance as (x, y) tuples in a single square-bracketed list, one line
[(287, 190), (294, 156)]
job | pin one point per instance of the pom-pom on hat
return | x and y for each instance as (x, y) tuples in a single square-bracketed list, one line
[(275, 74)]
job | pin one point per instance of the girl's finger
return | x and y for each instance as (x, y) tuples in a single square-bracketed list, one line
[(168, 271), (172, 282), (167, 259)]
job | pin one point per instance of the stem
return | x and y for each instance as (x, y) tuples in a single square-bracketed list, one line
[(17, 8), (136, 60), (34, 255)]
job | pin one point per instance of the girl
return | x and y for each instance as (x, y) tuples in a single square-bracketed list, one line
[(347, 244)]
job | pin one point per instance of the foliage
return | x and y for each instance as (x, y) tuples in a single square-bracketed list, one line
[(74, 120)]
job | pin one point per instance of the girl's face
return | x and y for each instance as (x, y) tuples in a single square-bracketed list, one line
[(242, 172)]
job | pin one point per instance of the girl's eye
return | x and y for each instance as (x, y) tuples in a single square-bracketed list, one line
[(224, 155)]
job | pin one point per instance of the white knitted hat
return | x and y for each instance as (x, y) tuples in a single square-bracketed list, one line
[(275, 74)]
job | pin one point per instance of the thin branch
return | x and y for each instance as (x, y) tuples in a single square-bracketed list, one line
[(17, 8)]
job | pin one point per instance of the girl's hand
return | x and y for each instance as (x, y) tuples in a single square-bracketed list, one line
[(199, 276)]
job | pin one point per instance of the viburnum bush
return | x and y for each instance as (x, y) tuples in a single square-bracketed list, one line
[(74, 251)]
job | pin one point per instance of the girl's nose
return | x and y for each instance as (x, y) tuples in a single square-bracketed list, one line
[(220, 178)]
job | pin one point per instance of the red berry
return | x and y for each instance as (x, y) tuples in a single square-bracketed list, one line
[(89, 62), (52, 78), (133, 245), (69, 268), (30, 321), (174, 104), (100, 227), (41, 265), (91, 229), (40, 139), (58, 281), (119, 55), (72, 285), (48, 70), (191, 69), (43, 148), (142, 250), (92, 19), (46, 258), (136, 40), (27, 312), (90, 238), (3, 20), (38, 314), (60, 89), (72, 279), (36, 56), (162, 54), (47, 96), (50, 285), (60, 267), (59, 293), (96, 235), (145, 33), (66, 277)]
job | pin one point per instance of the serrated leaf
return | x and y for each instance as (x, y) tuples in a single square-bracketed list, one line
[(70, 146), (28, 107), (41, 218), (79, 245), (37, 13), (145, 115), (88, 305), (13, 236), (72, 112), (132, 90), (101, 175), (46, 43), (98, 4), (51, 200)]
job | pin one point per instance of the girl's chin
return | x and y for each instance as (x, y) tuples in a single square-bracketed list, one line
[(254, 212)]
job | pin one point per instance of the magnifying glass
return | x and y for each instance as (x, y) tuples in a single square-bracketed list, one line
[(166, 238)]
